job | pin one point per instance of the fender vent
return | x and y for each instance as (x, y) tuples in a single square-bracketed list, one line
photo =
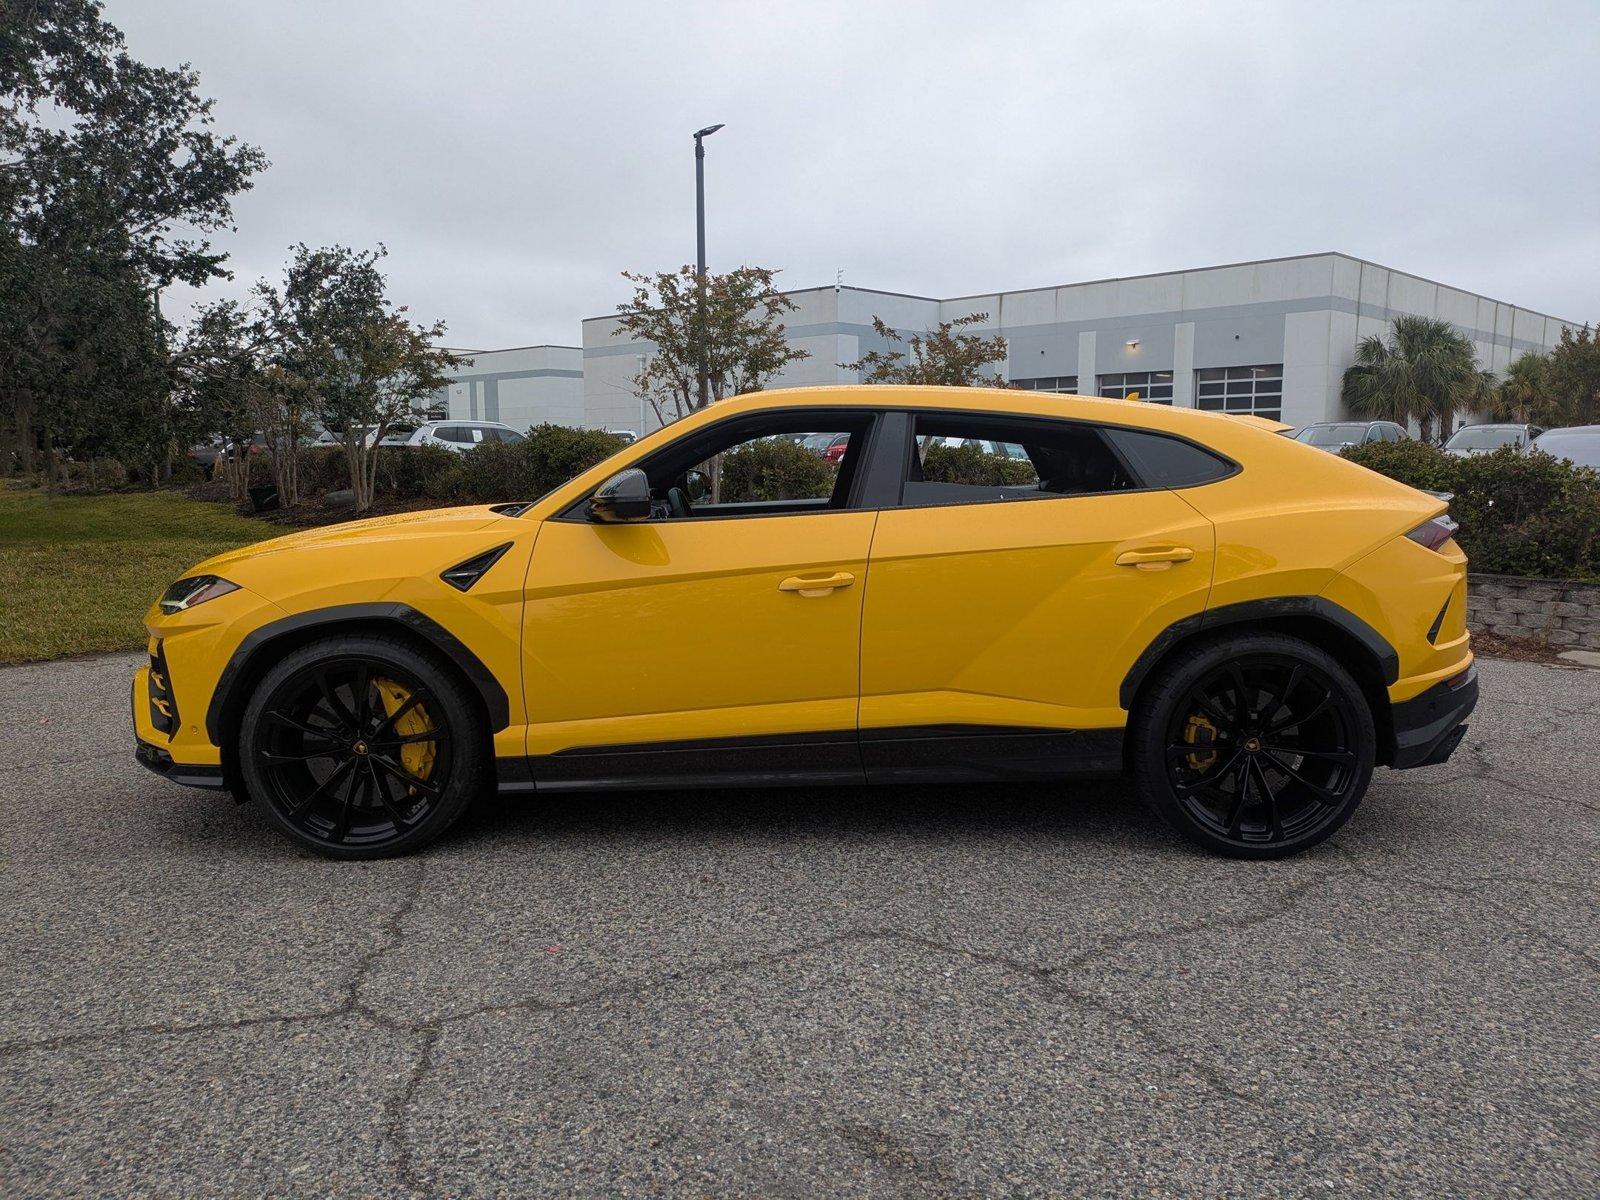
[(463, 575)]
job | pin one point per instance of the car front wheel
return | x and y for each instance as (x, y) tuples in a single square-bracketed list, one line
[(362, 746), (1255, 746)]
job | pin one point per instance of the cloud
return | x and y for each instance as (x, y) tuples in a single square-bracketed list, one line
[(516, 157)]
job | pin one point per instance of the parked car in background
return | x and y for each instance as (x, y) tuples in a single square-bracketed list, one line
[(462, 435), (627, 436), (829, 447), (1579, 444), (1334, 436), (205, 455), (1486, 439)]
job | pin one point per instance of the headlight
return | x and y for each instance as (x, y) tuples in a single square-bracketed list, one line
[(197, 589)]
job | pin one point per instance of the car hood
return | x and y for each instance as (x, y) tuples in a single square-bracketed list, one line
[(399, 527)]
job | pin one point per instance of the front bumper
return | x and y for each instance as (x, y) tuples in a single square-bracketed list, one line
[(1428, 728), (159, 761), (147, 736)]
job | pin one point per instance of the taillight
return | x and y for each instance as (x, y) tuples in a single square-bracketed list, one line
[(1435, 533)]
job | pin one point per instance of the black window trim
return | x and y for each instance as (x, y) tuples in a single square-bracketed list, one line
[(874, 435), (886, 461)]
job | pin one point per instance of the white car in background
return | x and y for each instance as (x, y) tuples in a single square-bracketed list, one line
[(462, 436)]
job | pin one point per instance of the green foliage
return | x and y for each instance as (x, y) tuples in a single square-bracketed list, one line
[(418, 472), (942, 356), (324, 469), (1520, 514), (1525, 396), (1416, 463), (1425, 371), (551, 455), (733, 319), (773, 469), (974, 466), (111, 178), (1574, 375)]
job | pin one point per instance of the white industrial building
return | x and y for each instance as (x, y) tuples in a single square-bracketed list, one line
[(1272, 337)]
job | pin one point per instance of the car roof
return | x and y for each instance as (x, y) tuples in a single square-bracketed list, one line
[(1587, 429)]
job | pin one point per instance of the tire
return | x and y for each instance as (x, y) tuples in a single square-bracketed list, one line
[(1269, 777), (363, 746)]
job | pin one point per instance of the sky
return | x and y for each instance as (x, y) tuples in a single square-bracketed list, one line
[(516, 157)]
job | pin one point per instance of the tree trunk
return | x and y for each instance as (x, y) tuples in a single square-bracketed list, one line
[(25, 434), (1425, 427), (355, 452)]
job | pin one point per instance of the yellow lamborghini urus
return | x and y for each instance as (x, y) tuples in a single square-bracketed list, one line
[(841, 585)]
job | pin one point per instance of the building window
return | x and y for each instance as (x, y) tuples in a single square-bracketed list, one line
[(1049, 383), (1257, 391), (1151, 385)]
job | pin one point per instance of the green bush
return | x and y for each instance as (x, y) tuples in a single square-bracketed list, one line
[(1417, 463), (1520, 514), (94, 475), (418, 472), (551, 455), (974, 466), (774, 469), (324, 469)]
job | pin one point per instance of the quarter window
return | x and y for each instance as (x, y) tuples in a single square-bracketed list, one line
[(977, 459), (1155, 386), (1257, 391)]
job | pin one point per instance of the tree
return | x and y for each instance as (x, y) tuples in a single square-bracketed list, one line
[(942, 356), (110, 179), (1524, 395), (225, 386), (1425, 371), (1575, 375), (347, 356), (739, 326)]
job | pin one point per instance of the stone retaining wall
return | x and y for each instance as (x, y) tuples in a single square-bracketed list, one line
[(1559, 612)]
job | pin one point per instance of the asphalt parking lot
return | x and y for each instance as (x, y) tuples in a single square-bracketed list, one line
[(919, 992)]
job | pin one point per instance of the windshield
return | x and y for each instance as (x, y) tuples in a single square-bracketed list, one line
[(1580, 448), (1485, 437), (1332, 435)]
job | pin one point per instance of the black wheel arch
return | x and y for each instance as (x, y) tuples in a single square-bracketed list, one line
[(1360, 648), (270, 642)]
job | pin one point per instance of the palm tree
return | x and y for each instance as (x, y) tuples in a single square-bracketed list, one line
[(1423, 372), (1525, 396)]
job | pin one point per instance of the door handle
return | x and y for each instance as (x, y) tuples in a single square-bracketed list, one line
[(1154, 558), (816, 585)]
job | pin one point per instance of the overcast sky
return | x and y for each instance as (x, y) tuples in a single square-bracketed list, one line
[(515, 157)]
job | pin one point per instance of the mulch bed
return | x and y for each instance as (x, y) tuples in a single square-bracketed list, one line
[(1517, 649), (310, 513)]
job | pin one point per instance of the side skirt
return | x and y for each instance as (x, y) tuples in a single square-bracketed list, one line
[(911, 754)]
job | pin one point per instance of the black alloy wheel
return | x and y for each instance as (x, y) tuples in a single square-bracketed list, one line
[(1257, 746), (361, 747)]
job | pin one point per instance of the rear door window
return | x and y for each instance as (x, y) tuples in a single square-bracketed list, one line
[(976, 458)]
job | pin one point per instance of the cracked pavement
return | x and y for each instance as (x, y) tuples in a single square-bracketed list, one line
[(955, 991)]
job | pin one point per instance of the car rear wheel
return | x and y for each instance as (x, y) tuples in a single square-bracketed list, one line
[(1255, 746), (362, 746)]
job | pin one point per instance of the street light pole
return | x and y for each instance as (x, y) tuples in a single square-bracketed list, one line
[(700, 256)]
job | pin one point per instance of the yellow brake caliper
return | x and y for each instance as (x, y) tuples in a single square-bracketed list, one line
[(1200, 732), (416, 757)]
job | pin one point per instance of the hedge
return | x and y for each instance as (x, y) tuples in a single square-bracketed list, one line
[(774, 469), (1521, 514)]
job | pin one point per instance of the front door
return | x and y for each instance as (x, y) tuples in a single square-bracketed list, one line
[(719, 640)]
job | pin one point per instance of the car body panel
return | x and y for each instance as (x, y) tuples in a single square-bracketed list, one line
[(1004, 615), (1019, 614), (677, 630)]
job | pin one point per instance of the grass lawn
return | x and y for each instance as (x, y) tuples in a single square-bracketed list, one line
[(78, 572)]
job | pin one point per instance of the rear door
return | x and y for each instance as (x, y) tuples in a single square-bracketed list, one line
[(1027, 565)]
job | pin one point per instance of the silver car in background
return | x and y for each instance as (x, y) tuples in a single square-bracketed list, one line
[(1579, 445), (1486, 439)]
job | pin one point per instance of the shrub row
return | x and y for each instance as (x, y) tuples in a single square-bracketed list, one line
[(1520, 514)]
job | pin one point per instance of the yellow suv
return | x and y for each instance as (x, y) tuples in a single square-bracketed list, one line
[(984, 584)]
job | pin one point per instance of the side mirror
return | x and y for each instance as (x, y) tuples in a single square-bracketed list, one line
[(623, 497), (697, 485)]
